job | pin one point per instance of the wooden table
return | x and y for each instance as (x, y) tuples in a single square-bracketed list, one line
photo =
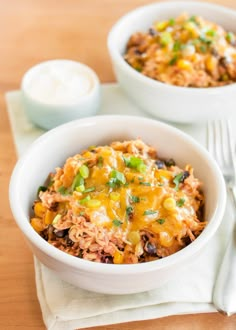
[(33, 31)]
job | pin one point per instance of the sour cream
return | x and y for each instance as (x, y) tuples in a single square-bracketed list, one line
[(58, 91), (59, 82)]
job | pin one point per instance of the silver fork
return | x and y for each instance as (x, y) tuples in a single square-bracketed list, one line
[(220, 145)]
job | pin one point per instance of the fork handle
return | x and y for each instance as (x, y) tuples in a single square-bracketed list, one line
[(225, 286)]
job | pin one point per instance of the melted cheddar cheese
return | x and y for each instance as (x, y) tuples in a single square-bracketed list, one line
[(120, 204)]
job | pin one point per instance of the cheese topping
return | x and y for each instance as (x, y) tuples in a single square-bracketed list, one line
[(120, 199)]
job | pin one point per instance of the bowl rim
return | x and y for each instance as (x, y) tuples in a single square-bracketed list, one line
[(60, 107), (77, 264), (118, 58)]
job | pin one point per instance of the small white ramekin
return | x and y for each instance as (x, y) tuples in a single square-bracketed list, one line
[(49, 115)]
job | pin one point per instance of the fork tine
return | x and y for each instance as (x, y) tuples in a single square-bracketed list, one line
[(220, 145), (210, 138), (231, 148), (225, 140), (214, 133)]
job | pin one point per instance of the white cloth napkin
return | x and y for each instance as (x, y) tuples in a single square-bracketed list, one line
[(67, 307)]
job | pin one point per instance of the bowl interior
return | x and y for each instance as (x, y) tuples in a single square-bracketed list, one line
[(54, 147)]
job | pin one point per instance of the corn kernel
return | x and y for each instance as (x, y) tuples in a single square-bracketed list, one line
[(49, 216), (39, 209), (165, 239), (192, 29), (114, 196), (184, 36), (87, 154), (37, 224), (93, 203), (211, 63), (225, 77), (133, 237), (164, 173), (184, 64), (118, 257), (166, 38), (169, 204), (160, 26)]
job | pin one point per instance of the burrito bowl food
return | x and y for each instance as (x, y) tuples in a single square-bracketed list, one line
[(120, 204), (187, 51)]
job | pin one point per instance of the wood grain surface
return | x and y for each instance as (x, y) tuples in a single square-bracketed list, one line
[(32, 31)]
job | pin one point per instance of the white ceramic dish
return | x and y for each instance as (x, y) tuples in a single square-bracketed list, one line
[(62, 142), (57, 91), (172, 103)]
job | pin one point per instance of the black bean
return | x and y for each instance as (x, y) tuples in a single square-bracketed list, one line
[(69, 242), (107, 259), (184, 176), (150, 248), (224, 61), (160, 164), (152, 32), (214, 52), (54, 206), (60, 233), (80, 254), (169, 162), (137, 51), (145, 238)]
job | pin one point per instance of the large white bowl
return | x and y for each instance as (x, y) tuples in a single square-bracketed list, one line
[(52, 149), (172, 103)]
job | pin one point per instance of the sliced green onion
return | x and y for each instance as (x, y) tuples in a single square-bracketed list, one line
[(165, 38), (118, 176), (177, 46), (230, 37), (89, 189), (203, 49), (211, 33), (100, 161), (85, 200), (84, 171), (171, 21), (56, 219), (63, 191), (80, 188), (93, 203), (145, 183), (78, 181), (91, 148), (149, 212)]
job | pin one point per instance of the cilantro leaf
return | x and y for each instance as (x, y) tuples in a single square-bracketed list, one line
[(135, 199), (180, 202), (161, 221), (117, 222)]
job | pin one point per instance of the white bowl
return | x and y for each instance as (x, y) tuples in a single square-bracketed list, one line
[(52, 92), (69, 139), (168, 102)]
